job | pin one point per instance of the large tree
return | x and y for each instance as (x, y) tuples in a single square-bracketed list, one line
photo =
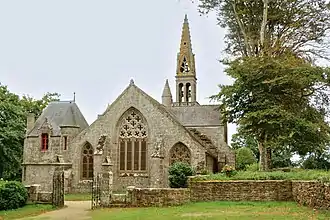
[(12, 130), (13, 112), (279, 95), (272, 27)]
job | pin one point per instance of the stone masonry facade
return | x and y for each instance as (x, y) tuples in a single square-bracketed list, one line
[(137, 138)]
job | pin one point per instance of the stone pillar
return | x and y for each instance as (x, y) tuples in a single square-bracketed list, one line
[(106, 185), (157, 172), (97, 159), (193, 93), (178, 92), (157, 165)]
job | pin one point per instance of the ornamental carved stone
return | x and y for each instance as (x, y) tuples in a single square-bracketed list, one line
[(101, 143), (158, 149)]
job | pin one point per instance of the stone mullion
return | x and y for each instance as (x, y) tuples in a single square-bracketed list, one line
[(133, 150), (140, 143), (125, 154)]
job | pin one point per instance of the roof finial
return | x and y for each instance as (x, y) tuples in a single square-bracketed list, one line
[(131, 82), (185, 18), (74, 96)]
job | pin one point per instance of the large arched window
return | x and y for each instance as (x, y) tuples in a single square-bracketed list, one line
[(87, 162), (133, 134), (180, 153)]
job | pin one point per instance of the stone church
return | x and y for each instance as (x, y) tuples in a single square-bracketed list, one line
[(137, 138)]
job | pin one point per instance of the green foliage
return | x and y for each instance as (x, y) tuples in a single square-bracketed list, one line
[(244, 157), (279, 95), (276, 175), (13, 112), (252, 167), (178, 174), (240, 140), (36, 106), (12, 195), (287, 26), (12, 130), (317, 161), (270, 101)]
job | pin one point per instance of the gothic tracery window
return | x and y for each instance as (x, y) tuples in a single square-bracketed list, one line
[(87, 162), (180, 153), (133, 142)]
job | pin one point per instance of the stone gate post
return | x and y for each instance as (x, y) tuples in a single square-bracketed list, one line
[(157, 166), (106, 185)]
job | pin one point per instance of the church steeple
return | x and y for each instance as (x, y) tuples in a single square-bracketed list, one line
[(186, 73)]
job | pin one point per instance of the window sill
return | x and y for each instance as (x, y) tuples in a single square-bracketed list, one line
[(133, 174)]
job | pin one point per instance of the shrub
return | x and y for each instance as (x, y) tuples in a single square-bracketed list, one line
[(244, 157), (319, 175), (228, 170), (252, 167), (13, 195), (178, 175)]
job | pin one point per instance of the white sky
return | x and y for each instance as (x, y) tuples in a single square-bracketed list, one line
[(95, 47)]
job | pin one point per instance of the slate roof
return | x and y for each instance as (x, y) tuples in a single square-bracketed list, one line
[(198, 115), (60, 113)]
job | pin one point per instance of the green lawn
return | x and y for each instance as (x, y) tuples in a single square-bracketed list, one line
[(215, 210), (78, 197), (26, 211)]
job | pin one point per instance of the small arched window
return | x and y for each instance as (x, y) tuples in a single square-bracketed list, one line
[(87, 162), (44, 141), (180, 153)]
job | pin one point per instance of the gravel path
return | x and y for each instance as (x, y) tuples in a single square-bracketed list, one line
[(75, 210)]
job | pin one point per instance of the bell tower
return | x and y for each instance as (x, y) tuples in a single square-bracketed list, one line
[(185, 73)]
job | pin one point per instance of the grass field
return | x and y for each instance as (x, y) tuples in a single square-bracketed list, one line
[(78, 197), (215, 210), (26, 211)]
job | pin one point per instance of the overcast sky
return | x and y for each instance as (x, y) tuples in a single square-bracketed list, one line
[(94, 48)]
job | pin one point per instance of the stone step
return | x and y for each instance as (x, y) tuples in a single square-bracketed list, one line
[(118, 205)]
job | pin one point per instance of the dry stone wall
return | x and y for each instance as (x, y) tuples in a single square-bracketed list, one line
[(312, 194), (247, 190), (158, 197)]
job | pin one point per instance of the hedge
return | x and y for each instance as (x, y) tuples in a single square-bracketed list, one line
[(319, 175), (13, 195)]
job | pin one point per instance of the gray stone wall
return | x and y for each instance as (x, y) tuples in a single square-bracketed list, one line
[(39, 174), (138, 197), (33, 153)]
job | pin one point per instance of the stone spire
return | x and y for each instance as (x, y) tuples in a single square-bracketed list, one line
[(167, 95), (185, 45), (186, 81)]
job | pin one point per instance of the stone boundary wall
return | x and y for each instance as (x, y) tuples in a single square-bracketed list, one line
[(312, 194), (144, 197), (37, 196), (243, 190)]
